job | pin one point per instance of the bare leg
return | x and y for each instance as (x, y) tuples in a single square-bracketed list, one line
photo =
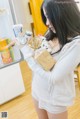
[(42, 114), (63, 115)]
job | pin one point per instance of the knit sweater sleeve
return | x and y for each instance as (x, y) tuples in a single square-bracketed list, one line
[(66, 64)]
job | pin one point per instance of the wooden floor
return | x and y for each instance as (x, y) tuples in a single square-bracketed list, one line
[(22, 107)]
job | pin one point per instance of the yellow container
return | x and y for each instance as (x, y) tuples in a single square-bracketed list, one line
[(3, 44)]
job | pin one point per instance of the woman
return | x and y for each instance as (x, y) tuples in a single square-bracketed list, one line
[(53, 91)]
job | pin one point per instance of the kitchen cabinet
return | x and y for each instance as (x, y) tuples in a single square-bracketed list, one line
[(11, 83)]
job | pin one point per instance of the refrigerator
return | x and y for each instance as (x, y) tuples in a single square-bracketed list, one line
[(11, 81)]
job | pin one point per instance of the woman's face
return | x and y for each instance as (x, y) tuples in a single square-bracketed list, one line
[(48, 23)]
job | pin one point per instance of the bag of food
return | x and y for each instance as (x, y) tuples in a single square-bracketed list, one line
[(34, 42), (45, 60)]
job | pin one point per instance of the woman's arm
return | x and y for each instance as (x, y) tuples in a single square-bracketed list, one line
[(64, 66)]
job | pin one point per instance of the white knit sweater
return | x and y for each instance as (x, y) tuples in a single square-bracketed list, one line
[(57, 86)]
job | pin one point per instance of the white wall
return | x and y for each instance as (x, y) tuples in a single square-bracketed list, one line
[(22, 13), (28, 16)]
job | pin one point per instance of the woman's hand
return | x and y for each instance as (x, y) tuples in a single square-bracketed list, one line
[(25, 49)]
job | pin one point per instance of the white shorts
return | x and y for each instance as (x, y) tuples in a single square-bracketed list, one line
[(55, 109)]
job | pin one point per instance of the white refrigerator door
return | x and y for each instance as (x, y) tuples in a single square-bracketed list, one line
[(6, 20)]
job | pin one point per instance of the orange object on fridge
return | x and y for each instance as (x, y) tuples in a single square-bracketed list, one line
[(3, 44)]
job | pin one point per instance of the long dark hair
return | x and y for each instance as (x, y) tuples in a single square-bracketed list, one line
[(50, 35), (64, 16)]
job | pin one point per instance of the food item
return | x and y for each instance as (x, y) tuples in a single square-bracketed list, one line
[(6, 57), (34, 42), (6, 51), (45, 60)]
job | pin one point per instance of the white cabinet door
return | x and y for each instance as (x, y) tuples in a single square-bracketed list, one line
[(11, 83), (2, 97)]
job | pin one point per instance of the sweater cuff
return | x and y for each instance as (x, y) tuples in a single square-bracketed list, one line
[(32, 64), (26, 51)]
